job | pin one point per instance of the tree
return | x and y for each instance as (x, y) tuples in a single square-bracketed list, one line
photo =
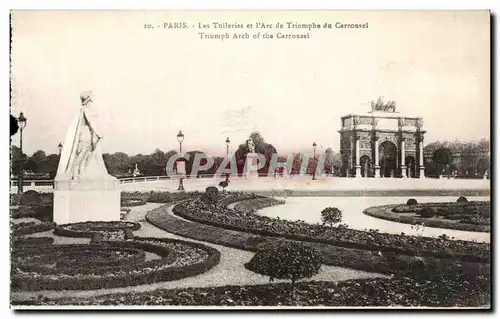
[(38, 159), (159, 163), (17, 159), (329, 158), (39, 156), (223, 184), (290, 260), (117, 163), (51, 164), (296, 164), (443, 158), (30, 165), (331, 216), (190, 161)]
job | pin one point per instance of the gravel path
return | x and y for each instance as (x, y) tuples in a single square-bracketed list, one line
[(24, 220), (230, 270)]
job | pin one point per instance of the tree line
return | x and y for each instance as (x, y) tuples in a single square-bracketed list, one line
[(119, 164), (466, 159)]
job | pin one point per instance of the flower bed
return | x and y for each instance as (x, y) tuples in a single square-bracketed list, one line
[(69, 259), (298, 230), (253, 205), (31, 228), (482, 209), (41, 241), (88, 229), (42, 213), (396, 292), (132, 202), (388, 212), (158, 197), (180, 259)]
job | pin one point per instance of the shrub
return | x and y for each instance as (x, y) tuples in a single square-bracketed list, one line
[(412, 202), (211, 195), (462, 200), (97, 237), (291, 261), (30, 198), (331, 216), (426, 212)]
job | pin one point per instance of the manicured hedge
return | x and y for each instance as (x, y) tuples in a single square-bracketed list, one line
[(42, 213), (24, 229), (172, 266), (349, 238)]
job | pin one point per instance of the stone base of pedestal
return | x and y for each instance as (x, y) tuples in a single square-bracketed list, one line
[(377, 171), (422, 172), (358, 171), (251, 166), (403, 171), (81, 201)]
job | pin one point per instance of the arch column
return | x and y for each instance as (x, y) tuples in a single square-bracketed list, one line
[(358, 166), (421, 159), (403, 166), (377, 164)]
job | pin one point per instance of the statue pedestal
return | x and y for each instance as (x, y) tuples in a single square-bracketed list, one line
[(422, 172), (358, 171), (86, 200), (251, 166), (403, 171)]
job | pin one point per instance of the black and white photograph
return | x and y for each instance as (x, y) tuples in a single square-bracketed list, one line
[(250, 159)]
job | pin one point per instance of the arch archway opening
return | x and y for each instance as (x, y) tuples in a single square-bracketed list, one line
[(366, 166), (388, 159), (411, 167)]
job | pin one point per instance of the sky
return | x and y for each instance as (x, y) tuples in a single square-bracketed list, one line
[(149, 84)]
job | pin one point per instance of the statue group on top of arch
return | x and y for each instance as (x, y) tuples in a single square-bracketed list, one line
[(251, 145), (379, 105)]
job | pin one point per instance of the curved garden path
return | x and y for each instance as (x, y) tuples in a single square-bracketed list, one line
[(230, 270), (309, 210)]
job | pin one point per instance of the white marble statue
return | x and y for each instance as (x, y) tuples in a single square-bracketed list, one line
[(251, 146), (81, 156)]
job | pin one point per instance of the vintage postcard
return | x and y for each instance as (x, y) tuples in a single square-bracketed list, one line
[(250, 159)]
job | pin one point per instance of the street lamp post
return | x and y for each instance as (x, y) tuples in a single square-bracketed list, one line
[(227, 155), (60, 146), (21, 120), (314, 159), (180, 138)]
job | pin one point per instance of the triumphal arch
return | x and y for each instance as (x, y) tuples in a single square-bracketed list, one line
[(382, 143)]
